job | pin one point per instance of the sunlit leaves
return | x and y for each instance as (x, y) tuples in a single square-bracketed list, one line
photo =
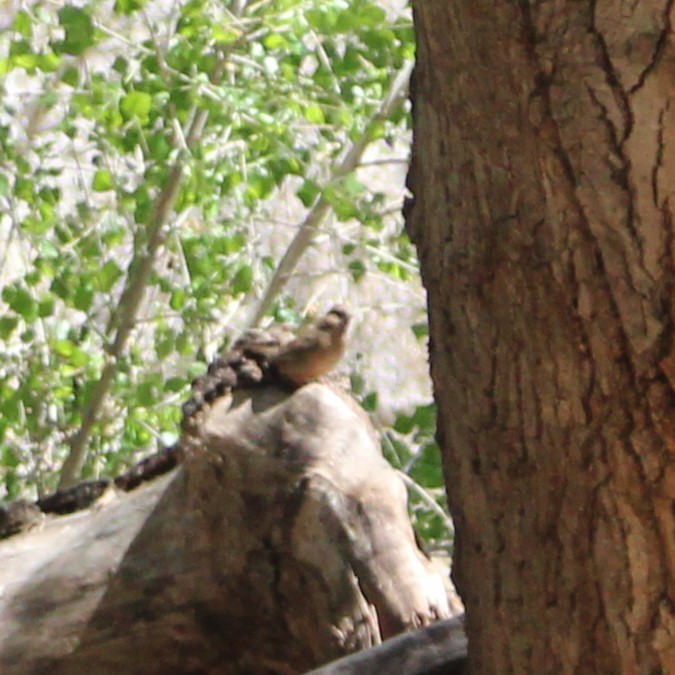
[(22, 55), (81, 185)]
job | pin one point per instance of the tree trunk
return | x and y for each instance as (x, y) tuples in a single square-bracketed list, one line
[(543, 171)]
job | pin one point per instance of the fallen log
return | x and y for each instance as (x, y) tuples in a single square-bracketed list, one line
[(282, 542), (438, 649)]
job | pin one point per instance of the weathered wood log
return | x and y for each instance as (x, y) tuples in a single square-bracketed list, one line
[(438, 649), (282, 542)]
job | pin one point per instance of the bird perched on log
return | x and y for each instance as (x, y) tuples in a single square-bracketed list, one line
[(315, 352), (276, 356)]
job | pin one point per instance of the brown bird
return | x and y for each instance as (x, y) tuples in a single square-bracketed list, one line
[(314, 352)]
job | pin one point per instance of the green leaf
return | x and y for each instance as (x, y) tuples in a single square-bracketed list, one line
[(225, 35), (258, 188), (314, 114), (32, 278), (425, 418), (10, 457), (370, 402), (358, 269), (103, 181), (11, 409), (229, 245), (275, 41), (178, 299), (23, 24), (27, 61), (404, 424), (427, 469), (20, 48), (46, 306), (64, 347), (126, 7), (420, 330), (71, 76), (79, 30), (243, 280), (196, 369), (146, 394), (21, 301), (397, 452), (143, 205), (120, 65), (84, 297), (49, 63), (7, 326), (376, 130), (48, 251), (175, 384), (159, 147), (308, 193), (136, 105), (70, 351), (357, 383), (353, 185), (165, 343), (323, 19), (64, 284), (109, 275), (372, 15)]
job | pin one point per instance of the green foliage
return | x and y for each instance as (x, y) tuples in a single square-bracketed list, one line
[(411, 447), (205, 112)]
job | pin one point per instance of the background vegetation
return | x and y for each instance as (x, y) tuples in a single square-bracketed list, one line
[(148, 151)]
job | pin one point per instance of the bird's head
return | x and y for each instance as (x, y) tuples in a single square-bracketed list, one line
[(335, 320)]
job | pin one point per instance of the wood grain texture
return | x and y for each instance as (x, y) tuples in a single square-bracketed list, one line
[(281, 543), (543, 176)]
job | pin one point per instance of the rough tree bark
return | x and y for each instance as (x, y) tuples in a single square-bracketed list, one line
[(281, 543), (543, 176)]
